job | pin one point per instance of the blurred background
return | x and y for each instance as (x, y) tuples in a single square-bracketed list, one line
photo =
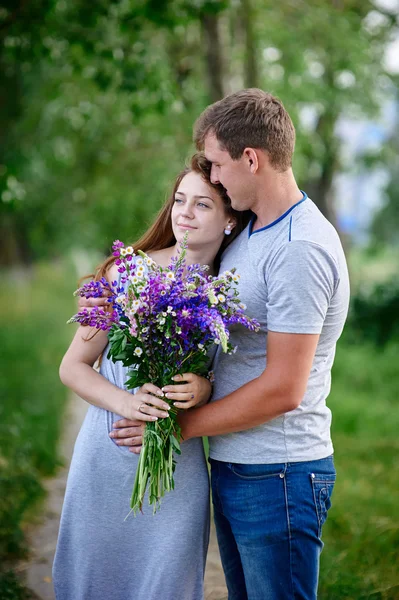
[(97, 105)]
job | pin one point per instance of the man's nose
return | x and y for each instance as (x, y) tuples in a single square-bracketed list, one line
[(214, 177)]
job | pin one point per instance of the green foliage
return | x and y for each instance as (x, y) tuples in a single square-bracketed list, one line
[(11, 588), (361, 533), (100, 100), (374, 313), (34, 307), (325, 60), (103, 124), (385, 226)]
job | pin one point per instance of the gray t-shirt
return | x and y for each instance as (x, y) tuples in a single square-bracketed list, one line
[(293, 279)]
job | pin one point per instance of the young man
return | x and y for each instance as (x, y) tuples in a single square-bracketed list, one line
[(268, 423)]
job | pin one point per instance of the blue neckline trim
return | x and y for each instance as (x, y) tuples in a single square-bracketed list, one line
[(252, 221)]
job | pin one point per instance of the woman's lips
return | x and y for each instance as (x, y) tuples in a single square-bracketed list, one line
[(185, 226)]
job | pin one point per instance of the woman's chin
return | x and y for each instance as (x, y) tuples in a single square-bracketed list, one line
[(180, 233)]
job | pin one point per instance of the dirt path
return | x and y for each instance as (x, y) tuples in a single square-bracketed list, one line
[(43, 537)]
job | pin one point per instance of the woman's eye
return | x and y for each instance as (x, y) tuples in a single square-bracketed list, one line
[(203, 204), (177, 200)]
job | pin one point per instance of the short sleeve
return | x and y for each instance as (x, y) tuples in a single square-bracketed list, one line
[(301, 281)]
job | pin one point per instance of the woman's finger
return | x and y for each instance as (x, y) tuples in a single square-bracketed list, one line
[(181, 388), (146, 408), (146, 417), (151, 401), (150, 388), (181, 397), (135, 449)]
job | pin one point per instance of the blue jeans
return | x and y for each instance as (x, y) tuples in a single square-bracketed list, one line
[(268, 522)]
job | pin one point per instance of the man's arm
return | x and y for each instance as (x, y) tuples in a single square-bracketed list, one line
[(278, 390)]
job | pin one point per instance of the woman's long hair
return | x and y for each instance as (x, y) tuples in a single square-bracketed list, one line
[(160, 235)]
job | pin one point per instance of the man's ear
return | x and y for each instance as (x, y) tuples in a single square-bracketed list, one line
[(251, 157)]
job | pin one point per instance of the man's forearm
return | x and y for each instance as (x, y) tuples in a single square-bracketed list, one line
[(252, 404)]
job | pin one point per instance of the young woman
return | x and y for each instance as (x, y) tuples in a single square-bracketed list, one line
[(99, 553)]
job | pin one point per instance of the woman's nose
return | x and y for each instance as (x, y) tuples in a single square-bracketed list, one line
[(187, 210)]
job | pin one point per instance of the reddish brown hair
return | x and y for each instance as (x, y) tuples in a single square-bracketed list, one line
[(160, 234), (250, 118)]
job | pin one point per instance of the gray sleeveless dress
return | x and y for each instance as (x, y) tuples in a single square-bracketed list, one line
[(99, 555)]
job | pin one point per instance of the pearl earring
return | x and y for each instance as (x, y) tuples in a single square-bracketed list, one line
[(227, 231)]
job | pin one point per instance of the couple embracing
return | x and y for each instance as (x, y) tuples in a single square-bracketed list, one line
[(271, 455)]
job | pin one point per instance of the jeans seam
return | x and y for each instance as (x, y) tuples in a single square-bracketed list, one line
[(289, 530), (325, 481), (317, 510), (220, 507), (256, 477)]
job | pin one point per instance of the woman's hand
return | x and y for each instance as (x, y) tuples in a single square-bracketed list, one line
[(144, 406), (129, 432), (196, 391)]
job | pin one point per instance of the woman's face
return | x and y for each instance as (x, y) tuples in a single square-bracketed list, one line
[(199, 209)]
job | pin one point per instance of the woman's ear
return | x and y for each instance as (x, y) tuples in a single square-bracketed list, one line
[(231, 223)]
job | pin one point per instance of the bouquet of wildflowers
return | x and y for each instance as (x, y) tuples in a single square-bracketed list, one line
[(161, 323)]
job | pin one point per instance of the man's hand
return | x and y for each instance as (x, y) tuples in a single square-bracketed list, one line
[(128, 433), (92, 302)]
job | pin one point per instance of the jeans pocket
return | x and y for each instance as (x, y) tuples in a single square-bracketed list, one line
[(257, 472), (323, 485)]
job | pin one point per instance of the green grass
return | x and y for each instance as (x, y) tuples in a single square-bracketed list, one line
[(33, 310), (361, 536), (12, 589)]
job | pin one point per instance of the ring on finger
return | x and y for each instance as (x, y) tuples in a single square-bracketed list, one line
[(140, 408), (192, 396)]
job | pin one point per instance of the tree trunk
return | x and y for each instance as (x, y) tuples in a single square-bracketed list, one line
[(250, 62), (213, 55), (181, 64), (14, 249), (320, 189)]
